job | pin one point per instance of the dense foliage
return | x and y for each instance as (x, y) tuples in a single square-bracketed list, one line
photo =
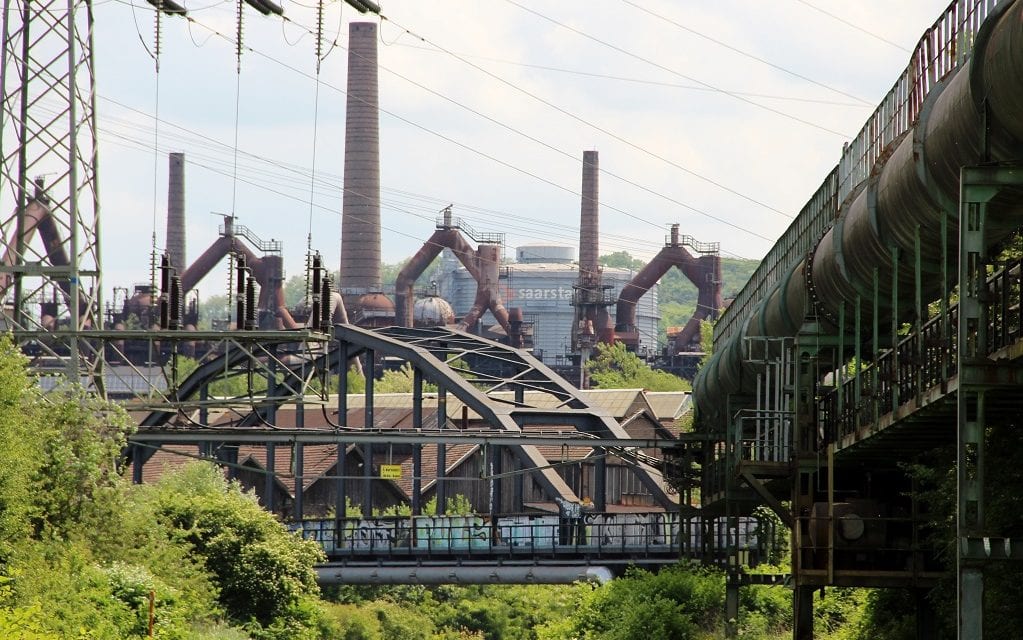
[(82, 551), (615, 367)]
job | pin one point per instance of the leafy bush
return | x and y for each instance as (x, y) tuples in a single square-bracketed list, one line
[(262, 571)]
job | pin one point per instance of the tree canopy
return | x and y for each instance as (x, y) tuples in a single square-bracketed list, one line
[(615, 367)]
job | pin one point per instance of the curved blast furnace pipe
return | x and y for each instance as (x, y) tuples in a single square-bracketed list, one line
[(704, 272), (488, 261), (442, 238), (267, 271), (913, 189)]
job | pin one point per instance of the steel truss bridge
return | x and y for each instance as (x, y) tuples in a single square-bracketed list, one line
[(523, 404)]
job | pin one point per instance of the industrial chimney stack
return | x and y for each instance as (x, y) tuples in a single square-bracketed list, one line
[(176, 211), (589, 223), (360, 204)]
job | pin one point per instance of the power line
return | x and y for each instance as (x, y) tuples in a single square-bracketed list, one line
[(593, 126), (334, 188), (746, 54), (636, 56), (493, 158), (656, 83), (854, 26)]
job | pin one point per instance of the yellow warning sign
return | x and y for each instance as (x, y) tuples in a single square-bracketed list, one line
[(390, 471)]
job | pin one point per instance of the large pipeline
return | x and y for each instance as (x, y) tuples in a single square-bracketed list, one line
[(974, 115)]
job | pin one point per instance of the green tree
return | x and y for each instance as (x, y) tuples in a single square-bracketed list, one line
[(20, 438), (615, 367), (78, 471), (621, 260), (264, 573)]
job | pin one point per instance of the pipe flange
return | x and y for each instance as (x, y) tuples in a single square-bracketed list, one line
[(938, 197), (815, 304)]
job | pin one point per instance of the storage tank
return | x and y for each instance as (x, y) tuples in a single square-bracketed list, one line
[(432, 311), (541, 284)]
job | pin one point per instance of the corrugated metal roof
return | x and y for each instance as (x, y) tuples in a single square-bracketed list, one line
[(668, 404), (617, 402)]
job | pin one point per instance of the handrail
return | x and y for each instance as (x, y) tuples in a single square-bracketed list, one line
[(596, 534)]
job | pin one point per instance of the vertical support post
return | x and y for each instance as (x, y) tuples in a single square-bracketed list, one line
[(204, 410), (271, 474), (945, 328), (340, 492), (731, 603), (857, 362), (367, 480), (342, 381), (895, 377), (271, 417), (874, 380), (417, 449), (136, 463), (370, 371), (496, 497), (299, 480), (840, 391), (920, 315), (417, 479), (519, 486), (977, 187), (802, 599), (600, 484), (442, 417), (733, 436)]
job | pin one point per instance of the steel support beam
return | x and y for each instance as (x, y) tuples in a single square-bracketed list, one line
[(978, 186)]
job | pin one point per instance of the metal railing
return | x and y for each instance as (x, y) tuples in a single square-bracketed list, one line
[(901, 375), (266, 246), (592, 534), (484, 237)]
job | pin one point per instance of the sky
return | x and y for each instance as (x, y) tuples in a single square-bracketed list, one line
[(722, 117)]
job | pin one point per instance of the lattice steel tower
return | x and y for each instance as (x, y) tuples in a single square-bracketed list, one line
[(50, 268)]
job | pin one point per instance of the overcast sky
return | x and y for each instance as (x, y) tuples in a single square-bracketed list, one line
[(721, 116)]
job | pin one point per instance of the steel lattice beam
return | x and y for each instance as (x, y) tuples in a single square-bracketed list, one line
[(50, 269)]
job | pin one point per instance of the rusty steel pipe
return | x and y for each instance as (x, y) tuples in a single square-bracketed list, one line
[(488, 261), (448, 238), (704, 272)]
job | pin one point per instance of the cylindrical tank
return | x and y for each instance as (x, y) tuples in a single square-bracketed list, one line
[(374, 310), (544, 254)]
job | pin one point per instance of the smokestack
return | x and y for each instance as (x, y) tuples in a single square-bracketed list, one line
[(176, 211), (360, 203), (589, 241)]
